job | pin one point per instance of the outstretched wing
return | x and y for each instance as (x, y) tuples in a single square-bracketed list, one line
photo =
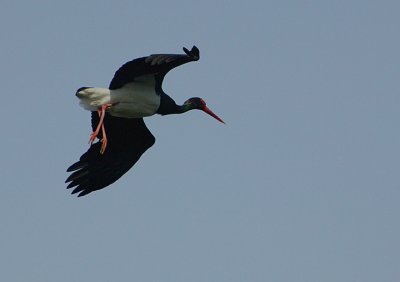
[(157, 64), (128, 139)]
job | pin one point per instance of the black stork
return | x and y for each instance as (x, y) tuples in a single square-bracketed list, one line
[(117, 118)]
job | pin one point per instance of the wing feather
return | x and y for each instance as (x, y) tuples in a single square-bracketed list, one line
[(157, 64), (128, 139)]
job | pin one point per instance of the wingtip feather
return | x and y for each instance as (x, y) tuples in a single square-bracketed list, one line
[(83, 193), (76, 166), (194, 52), (76, 175)]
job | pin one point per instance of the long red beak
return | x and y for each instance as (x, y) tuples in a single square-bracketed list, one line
[(208, 111)]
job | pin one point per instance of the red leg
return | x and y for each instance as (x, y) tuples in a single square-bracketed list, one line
[(104, 140), (101, 113)]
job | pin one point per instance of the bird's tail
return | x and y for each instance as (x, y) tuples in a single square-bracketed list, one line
[(92, 98)]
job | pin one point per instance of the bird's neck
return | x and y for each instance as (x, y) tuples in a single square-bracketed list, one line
[(180, 109), (168, 106)]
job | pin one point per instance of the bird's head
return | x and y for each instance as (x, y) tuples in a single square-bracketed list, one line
[(199, 104)]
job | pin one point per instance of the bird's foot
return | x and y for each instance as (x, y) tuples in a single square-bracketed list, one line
[(93, 137), (103, 145), (96, 132), (101, 113), (104, 140)]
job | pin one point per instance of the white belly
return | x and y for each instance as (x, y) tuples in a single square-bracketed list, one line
[(134, 100)]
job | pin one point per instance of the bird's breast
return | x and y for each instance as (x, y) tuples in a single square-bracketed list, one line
[(134, 100)]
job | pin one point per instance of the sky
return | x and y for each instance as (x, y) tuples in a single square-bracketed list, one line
[(301, 184)]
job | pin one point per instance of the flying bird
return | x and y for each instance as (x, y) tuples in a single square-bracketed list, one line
[(117, 118)]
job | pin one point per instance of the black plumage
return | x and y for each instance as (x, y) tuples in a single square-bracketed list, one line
[(128, 138), (156, 64)]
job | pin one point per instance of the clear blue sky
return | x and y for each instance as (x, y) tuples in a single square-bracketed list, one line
[(302, 183)]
